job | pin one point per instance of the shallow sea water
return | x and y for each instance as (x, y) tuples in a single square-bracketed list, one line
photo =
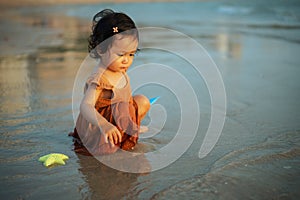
[(255, 46)]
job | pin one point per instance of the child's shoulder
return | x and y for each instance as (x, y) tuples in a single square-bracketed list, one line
[(99, 78)]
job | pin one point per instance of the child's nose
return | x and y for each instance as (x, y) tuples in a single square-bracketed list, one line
[(125, 59)]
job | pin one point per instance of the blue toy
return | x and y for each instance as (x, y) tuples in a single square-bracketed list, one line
[(153, 100)]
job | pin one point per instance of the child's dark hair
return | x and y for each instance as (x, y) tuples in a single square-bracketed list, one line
[(106, 24)]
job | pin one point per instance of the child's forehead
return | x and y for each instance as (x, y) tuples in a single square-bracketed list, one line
[(124, 43)]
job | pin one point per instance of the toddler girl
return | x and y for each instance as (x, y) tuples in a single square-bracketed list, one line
[(110, 116)]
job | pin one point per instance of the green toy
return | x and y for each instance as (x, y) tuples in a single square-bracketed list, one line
[(53, 158)]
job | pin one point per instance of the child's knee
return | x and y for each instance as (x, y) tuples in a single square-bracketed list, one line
[(143, 104)]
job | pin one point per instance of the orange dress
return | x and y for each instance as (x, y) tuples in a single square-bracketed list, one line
[(120, 110)]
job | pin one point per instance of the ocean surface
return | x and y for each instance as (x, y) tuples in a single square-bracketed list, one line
[(255, 46)]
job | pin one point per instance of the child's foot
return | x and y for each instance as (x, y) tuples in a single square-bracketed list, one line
[(143, 129)]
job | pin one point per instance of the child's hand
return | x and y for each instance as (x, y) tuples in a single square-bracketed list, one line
[(112, 134)]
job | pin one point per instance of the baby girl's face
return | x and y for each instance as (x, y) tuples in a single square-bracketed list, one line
[(120, 55)]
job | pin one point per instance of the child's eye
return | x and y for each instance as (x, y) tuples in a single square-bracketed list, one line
[(130, 54)]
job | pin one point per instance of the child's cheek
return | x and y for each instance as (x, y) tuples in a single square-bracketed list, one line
[(115, 59)]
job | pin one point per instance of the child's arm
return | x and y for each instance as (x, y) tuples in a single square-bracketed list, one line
[(87, 109)]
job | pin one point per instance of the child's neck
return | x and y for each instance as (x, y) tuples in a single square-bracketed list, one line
[(117, 79)]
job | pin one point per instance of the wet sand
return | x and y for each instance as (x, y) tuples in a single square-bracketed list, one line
[(256, 157)]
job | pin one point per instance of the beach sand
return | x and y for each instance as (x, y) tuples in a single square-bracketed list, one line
[(255, 48)]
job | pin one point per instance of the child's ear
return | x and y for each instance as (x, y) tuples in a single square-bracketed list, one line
[(99, 50)]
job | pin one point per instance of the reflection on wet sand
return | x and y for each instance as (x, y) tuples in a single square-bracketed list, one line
[(15, 86), (103, 182), (229, 45), (39, 71)]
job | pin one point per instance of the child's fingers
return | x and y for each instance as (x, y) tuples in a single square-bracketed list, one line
[(115, 137), (105, 138), (119, 135), (111, 140)]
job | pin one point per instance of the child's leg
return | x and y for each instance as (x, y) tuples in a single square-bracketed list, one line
[(143, 105)]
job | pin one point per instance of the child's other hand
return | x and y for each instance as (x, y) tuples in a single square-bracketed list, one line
[(112, 134)]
